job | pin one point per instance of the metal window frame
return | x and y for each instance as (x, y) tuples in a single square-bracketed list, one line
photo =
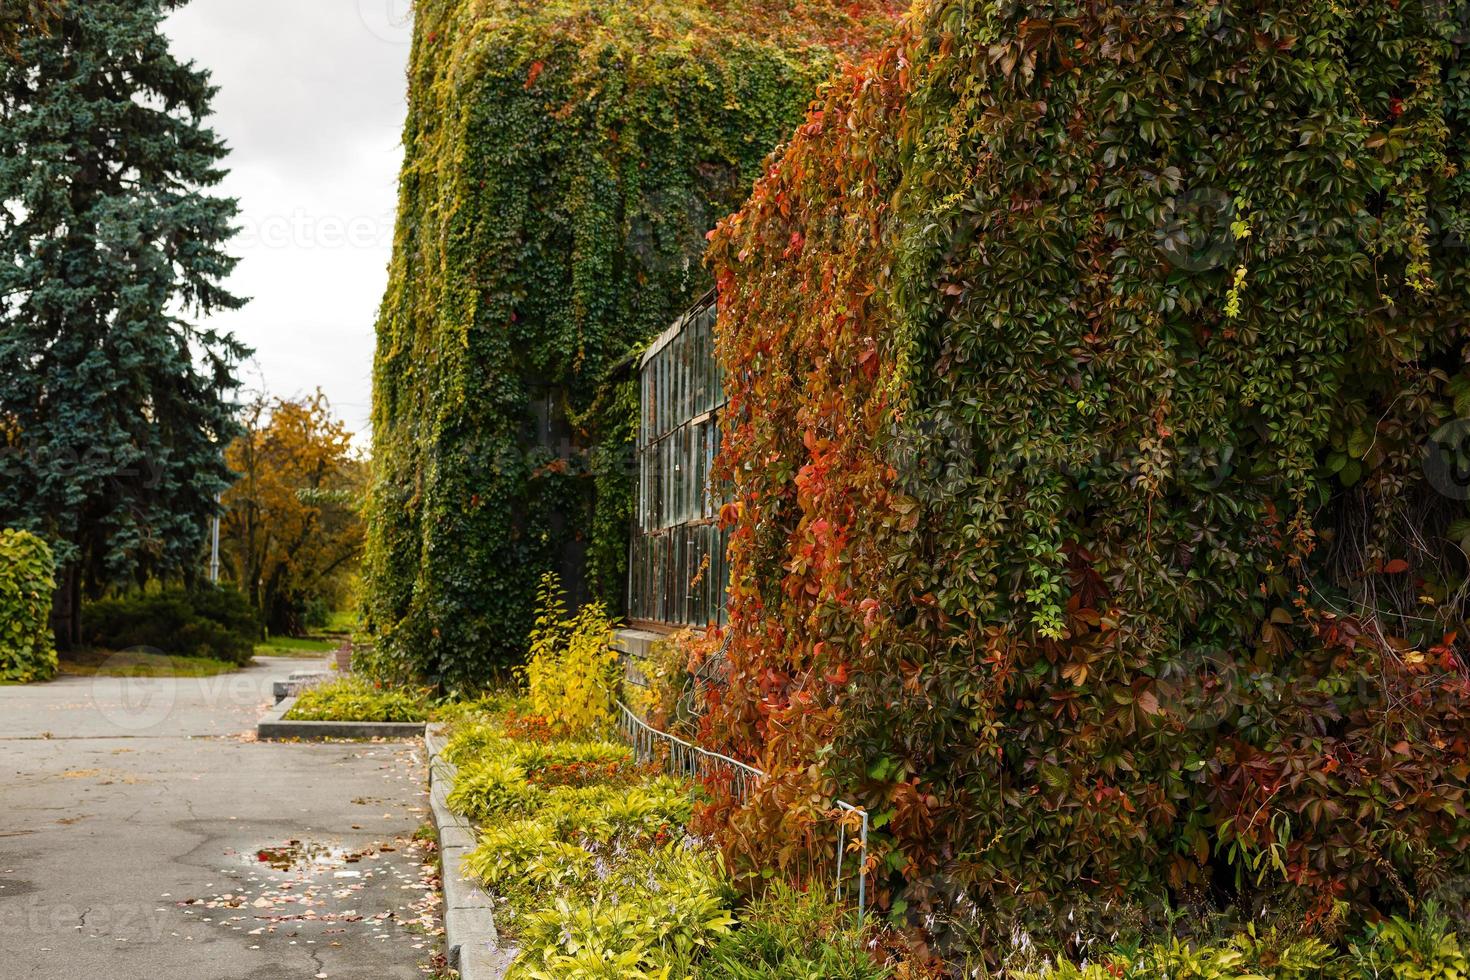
[(677, 573)]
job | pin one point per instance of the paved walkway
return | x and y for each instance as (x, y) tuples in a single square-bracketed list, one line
[(145, 835)]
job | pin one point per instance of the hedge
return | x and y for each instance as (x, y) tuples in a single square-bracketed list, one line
[(1082, 360), (209, 621), (27, 585), (564, 161)]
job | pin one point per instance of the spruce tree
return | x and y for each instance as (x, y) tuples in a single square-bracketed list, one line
[(114, 408)]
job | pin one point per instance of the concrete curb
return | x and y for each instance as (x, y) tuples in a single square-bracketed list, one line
[(275, 727), (470, 938), (300, 681)]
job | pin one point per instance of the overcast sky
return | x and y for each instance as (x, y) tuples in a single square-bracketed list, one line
[(311, 104)]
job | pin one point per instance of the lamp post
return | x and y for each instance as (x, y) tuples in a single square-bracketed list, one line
[(214, 546)]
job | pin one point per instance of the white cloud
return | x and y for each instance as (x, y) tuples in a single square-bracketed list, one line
[(311, 103)]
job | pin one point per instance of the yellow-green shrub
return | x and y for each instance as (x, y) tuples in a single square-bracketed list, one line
[(573, 671), (527, 855), (1398, 949), (1395, 949), (492, 788), (649, 921), (27, 581), (788, 934), (473, 740)]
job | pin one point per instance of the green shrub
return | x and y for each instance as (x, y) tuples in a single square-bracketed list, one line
[(1240, 958), (357, 699), (27, 583), (604, 880), (211, 621), (476, 738), (792, 935)]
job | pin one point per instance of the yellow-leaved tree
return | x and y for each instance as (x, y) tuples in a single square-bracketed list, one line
[(292, 533)]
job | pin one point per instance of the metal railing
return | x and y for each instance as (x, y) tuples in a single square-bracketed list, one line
[(687, 759)]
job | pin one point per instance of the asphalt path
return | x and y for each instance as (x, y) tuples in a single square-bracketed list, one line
[(146, 835)]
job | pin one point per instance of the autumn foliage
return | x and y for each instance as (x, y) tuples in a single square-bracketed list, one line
[(292, 532), (1082, 360)]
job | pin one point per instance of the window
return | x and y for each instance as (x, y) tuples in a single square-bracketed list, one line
[(677, 575)]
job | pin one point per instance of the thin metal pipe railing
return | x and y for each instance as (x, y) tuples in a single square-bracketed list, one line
[(687, 759)]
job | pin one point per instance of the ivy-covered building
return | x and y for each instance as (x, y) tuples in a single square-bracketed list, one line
[(564, 161), (1087, 365)]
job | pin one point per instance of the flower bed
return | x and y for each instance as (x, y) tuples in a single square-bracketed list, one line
[(597, 874), (355, 699)]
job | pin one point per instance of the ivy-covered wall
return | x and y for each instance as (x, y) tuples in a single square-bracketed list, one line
[(564, 161), (1082, 363)]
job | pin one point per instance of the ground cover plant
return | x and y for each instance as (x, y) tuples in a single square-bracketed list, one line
[(1091, 369), (564, 160), (354, 698), (1395, 948), (599, 875)]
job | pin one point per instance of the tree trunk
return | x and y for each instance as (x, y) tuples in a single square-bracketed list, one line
[(66, 609)]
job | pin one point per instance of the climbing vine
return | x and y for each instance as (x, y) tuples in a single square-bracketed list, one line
[(1082, 360), (564, 161)]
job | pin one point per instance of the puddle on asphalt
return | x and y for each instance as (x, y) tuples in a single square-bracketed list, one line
[(312, 892), (320, 894), (306, 857)]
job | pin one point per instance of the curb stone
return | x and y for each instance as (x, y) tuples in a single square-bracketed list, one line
[(471, 941), (274, 726), (300, 681)]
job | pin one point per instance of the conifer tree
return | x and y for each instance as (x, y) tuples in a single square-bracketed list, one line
[(21, 18), (114, 408)]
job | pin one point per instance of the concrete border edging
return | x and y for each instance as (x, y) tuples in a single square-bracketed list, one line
[(275, 727), (471, 941)]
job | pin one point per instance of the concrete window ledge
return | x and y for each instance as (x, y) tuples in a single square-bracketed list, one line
[(470, 939), (275, 727)]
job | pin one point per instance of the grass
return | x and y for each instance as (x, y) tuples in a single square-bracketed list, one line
[(342, 621), (294, 646), (132, 663)]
